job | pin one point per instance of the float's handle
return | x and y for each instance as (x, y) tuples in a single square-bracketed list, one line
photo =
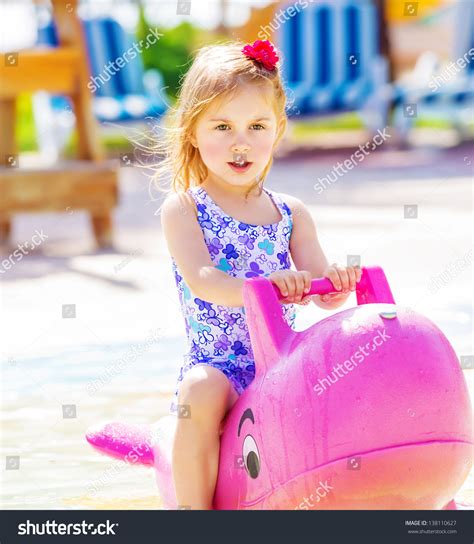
[(372, 287), (319, 286)]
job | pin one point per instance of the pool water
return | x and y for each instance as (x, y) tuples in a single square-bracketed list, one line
[(48, 403)]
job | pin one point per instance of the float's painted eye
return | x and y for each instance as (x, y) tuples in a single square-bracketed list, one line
[(251, 456)]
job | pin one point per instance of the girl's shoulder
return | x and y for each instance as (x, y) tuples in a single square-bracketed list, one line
[(187, 201), (291, 202), (181, 201)]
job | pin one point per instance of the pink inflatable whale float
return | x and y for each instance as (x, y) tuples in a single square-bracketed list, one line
[(366, 409)]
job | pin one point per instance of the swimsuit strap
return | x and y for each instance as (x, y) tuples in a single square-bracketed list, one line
[(200, 196), (281, 204)]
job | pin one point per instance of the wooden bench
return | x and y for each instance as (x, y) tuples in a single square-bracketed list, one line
[(88, 183)]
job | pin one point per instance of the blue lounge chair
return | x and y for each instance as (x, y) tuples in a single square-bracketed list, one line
[(332, 61), (442, 92), (130, 94)]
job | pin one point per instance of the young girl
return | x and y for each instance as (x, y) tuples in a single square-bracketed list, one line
[(222, 226)]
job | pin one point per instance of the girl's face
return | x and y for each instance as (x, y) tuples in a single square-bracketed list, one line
[(242, 128)]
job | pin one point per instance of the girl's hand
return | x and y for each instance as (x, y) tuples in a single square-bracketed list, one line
[(344, 279), (293, 285)]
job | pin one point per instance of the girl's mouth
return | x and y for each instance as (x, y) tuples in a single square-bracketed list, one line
[(242, 167)]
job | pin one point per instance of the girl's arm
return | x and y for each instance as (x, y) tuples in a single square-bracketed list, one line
[(186, 245), (306, 252)]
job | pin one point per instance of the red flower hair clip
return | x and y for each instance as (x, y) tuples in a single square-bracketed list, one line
[(263, 52)]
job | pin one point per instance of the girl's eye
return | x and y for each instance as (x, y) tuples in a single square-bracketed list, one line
[(254, 125)]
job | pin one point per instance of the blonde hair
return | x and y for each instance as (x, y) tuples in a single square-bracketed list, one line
[(217, 71)]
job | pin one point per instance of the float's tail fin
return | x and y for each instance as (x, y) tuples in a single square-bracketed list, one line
[(129, 443), (148, 445)]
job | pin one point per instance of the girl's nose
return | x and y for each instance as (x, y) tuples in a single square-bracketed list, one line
[(240, 148)]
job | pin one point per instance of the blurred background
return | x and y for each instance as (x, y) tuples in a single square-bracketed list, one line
[(379, 147)]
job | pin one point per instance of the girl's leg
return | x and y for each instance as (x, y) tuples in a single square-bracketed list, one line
[(205, 395)]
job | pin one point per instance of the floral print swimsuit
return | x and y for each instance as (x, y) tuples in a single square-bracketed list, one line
[(218, 335)]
